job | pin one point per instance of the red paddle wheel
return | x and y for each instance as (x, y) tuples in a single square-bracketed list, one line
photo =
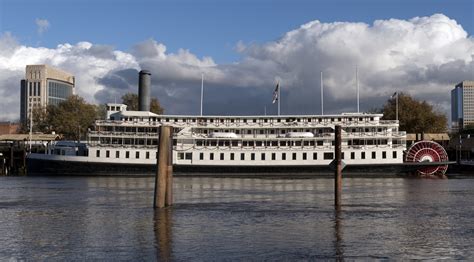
[(428, 151)]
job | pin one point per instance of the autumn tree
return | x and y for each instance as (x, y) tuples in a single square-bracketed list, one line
[(131, 100), (415, 116)]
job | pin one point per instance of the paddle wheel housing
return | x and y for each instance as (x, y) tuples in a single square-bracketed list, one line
[(428, 151)]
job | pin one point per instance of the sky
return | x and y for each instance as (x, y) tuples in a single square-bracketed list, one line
[(243, 48)]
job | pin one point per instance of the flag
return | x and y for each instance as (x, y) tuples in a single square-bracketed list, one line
[(394, 94), (275, 93)]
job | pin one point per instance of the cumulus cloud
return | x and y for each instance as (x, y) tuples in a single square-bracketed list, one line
[(423, 56), (42, 24)]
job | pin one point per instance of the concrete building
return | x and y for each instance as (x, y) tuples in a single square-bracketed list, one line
[(43, 85), (462, 105)]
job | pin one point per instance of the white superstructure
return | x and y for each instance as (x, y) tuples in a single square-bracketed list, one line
[(291, 140)]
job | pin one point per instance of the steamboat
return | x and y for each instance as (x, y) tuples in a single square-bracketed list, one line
[(126, 143)]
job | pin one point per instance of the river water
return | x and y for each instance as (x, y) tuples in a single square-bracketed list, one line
[(111, 218)]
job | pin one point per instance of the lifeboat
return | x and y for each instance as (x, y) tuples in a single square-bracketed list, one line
[(222, 135), (299, 135)]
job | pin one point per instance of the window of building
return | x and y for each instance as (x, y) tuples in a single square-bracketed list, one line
[(394, 154), (211, 156), (107, 153), (263, 156), (373, 155), (97, 153), (328, 155), (252, 156)]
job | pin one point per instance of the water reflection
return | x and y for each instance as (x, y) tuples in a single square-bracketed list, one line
[(163, 235), (338, 243)]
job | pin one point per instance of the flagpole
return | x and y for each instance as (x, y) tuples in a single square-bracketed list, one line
[(357, 81), (202, 89), (279, 96), (396, 107), (322, 95)]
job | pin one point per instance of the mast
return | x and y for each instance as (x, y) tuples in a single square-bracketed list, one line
[(202, 89), (322, 95), (357, 85)]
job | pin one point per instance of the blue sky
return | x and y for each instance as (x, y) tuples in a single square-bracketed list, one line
[(420, 47), (206, 28)]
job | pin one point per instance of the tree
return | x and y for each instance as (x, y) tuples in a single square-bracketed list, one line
[(131, 100), (415, 116), (70, 118)]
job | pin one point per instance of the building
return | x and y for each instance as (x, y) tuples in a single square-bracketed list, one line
[(462, 105), (43, 85), (7, 128)]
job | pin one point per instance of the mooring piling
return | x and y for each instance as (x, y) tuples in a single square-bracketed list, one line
[(164, 172), (338, 169)]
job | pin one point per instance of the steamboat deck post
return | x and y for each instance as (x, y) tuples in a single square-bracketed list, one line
[(338, 171), (161, 178), (169, 173)]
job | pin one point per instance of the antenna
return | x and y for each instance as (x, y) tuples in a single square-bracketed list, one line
[(357, 84), (322, 95), (202, 89)]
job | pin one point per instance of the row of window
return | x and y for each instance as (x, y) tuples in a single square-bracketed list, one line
[(127, 154), (273, 156)]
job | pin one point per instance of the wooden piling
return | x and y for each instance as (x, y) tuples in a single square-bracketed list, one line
[(163, 172), (338, 171)]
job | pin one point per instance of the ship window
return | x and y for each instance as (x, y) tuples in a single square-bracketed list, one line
[(156, 155), (211, 156), (342, 155), (319, 143), (117, 154), (180, 156), (147, 155), (254, 120), (97, 153), (107, 153), (127, 154), (258, 143), (252, 156), (328, 155), (297, 143), (315, 156), (283, 156), (242, 156), (384, 154), (373, 155), (261, 131), (304, 156), (362, 155), (137, 154), (273, 156), (278, 120), (353, 155), (231, 156), (394, 154), (249, 132), (189, 156), (222, 156), (274, 143), (201, 156), (263, 156), (294, 156)]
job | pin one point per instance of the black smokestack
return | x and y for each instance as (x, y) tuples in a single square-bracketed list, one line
[(144, 83)]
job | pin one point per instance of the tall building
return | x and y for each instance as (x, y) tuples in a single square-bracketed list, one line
[(462, 105), (43, 85)]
